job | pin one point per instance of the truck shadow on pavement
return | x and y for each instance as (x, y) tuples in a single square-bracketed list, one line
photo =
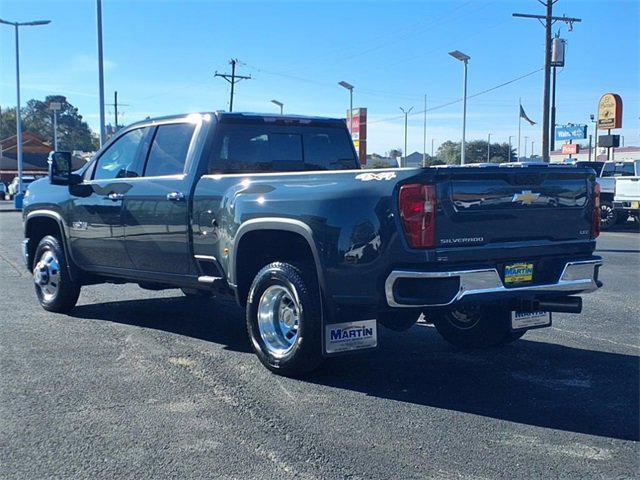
[(530, 382)]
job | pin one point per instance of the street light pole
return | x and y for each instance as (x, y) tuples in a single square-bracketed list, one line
[(16, 25), (279, 104), (532, 142), (489, 148), (349, 87), (526, 139), (458, 55), (424, 134), (509, 155), (406, 116), (100, 71)]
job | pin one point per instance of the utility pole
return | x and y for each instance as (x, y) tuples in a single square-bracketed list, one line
[(432, 146), (532, 142), (489, 148), (406, 116), (526, 139), (232, 79), (424, 134), (115, 105), (547, 21)]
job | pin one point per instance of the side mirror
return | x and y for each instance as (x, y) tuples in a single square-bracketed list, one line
[(60, 168)]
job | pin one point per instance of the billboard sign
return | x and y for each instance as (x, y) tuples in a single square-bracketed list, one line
[(610, 111), (571, 132)]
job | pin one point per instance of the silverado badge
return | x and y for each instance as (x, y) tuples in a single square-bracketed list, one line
[(525, 198)]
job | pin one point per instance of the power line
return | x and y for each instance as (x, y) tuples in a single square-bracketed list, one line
[(232, 78), (447, 104)]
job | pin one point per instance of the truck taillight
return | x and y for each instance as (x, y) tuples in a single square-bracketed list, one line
[(595, 215), (418, 214)]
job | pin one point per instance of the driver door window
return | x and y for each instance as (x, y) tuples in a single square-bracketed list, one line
[(121, 159)]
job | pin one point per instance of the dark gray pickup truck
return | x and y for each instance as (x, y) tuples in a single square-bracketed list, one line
[(276, 211)]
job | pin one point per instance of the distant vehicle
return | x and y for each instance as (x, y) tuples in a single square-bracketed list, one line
[(275, 210), (13, 186), (3, 190), (627, 193), (609, 174)]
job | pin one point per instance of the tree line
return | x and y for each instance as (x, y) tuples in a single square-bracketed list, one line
[(73, 132)]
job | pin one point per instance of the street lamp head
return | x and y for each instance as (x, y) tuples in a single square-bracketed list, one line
[(458, 55), (276, 102), (406, 112), (346, 85), (34, 23), (25, 24)]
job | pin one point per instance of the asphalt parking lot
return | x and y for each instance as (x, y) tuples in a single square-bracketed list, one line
[(139, 384)]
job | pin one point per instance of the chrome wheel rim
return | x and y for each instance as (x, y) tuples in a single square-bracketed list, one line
[(279, 316), (606, 215), (46, 275)]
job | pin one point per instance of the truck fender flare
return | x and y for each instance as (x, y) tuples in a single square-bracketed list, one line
[(62, 225), (276, 223)]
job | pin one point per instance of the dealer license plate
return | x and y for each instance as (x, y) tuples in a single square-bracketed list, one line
[(520, 320), (343, 337), (518, 273)]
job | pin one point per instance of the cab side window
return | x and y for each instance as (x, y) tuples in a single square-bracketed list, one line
[(169, 149), (121, 159)]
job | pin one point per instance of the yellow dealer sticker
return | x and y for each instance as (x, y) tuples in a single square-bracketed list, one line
[(518, 273)]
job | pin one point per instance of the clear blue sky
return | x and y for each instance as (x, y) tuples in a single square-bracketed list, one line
[(161, 55)]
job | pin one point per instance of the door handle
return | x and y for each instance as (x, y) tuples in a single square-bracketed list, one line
[(113, 196), (175, 196)]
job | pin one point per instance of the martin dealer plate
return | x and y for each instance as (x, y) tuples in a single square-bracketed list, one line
[(520, 320), (518, 273), (343, 337)]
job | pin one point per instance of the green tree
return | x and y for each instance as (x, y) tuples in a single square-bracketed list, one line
[(476, 152), (37, 118)]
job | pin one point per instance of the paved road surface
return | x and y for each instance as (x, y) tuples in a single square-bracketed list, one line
[(138, 384)]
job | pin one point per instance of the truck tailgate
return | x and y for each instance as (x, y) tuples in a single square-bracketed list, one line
[(627, 189), (496, 205)]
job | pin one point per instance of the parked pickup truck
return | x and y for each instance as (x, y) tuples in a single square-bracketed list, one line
[(276, 211), (609, 176), (627, 194)]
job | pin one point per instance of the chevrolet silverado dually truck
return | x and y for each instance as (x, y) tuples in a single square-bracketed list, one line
[(276, 211)]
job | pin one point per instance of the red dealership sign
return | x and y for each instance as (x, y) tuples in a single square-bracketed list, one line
[(357, 124), (570, 148)]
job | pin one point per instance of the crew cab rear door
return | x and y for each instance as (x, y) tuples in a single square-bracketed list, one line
[(156, 208)]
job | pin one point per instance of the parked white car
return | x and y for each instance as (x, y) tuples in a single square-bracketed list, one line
[(13, 186)]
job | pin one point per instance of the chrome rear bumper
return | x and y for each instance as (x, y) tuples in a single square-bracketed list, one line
[(576, 277)]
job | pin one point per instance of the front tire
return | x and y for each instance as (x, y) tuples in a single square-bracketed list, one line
[(55, 290), (475, 327), (284, 319)]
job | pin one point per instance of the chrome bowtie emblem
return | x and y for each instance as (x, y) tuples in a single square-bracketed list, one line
[(526, 197)]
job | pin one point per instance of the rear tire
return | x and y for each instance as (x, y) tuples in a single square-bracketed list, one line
[(55, 290), (284, 318), (475, 327)]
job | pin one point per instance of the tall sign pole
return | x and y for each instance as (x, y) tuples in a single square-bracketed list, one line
[(547, 21)]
